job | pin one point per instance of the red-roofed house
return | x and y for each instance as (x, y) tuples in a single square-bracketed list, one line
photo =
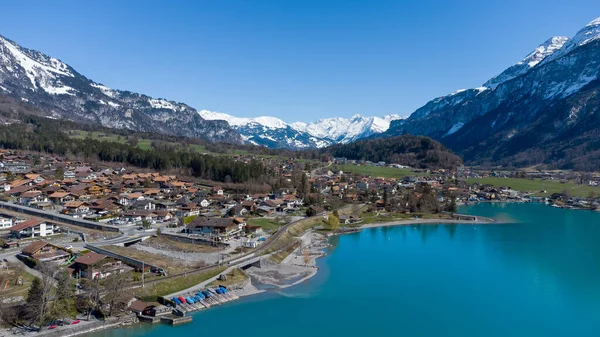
[(32, 228)]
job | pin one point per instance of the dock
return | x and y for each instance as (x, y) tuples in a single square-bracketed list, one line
[(202, 299), (175, 320)]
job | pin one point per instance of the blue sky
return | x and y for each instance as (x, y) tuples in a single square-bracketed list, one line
[(297, 60)]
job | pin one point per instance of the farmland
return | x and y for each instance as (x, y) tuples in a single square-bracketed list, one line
[(538, 187)]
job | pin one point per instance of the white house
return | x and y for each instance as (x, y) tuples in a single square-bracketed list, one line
[(5, 223), (33, 228)]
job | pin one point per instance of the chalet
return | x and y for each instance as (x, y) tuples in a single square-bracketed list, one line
[(44, 251), (60, 197), (191, 209), (95, 190), (248, 205), (35, 178), (221, 228), (163, 215), (93, 265), (32, 228), (76, 208), (132, 197), (104, 206), (32, 197), (217, 190)]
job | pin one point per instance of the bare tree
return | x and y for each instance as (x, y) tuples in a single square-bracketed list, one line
[(114, 286)]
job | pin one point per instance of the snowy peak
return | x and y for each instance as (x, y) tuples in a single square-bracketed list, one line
[(540, 53), (274, 132), (270, 122), (589, 33), (545, 49), (345, 130)]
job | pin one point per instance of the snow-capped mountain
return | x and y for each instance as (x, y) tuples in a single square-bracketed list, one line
[(61, 92), (543, 109), (345, 130), (275, 133)]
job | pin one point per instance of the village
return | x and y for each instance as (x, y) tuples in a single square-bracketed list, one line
[(94, 222)]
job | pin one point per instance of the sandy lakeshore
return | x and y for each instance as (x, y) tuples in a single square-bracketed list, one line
[(297, 267)]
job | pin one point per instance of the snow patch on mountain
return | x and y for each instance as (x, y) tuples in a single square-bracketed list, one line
[(270, 122), (41, 71), (455, 128)]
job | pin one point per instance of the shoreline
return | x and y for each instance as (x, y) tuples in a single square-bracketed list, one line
[(427, 222), (298, 267)]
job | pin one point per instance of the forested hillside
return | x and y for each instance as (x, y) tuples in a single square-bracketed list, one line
[(414, 151), (46, 135)]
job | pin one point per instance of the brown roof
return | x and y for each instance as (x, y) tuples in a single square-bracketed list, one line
[(74, 204), (19, 182), (25, 224), (31, 194), (138, 305), (162, 213), (90, 258), (20, 189), (33, 247), (247, 203), (59, 195)]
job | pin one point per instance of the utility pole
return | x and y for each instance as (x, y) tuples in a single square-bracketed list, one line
[(143, 272)]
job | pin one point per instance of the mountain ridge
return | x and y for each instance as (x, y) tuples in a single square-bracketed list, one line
[(519, 119), (57, 88), (274, 132)]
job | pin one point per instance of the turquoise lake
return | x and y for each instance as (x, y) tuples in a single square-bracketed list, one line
[(536, 275)]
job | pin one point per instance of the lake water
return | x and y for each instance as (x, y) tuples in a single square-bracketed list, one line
[(538, 275)]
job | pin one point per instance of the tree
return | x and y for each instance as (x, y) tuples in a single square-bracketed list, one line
[(451, 207), (64, 297), (385, 197), (60, 173), (113, 287), (146, 224), (333, 222), (39, 295)]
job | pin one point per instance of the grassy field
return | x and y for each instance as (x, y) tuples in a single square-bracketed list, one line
[(372, 217), (536, 186), (143, 143), (265, 224), (376, 171), (236, 276), (152, 292), (13, 290)]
